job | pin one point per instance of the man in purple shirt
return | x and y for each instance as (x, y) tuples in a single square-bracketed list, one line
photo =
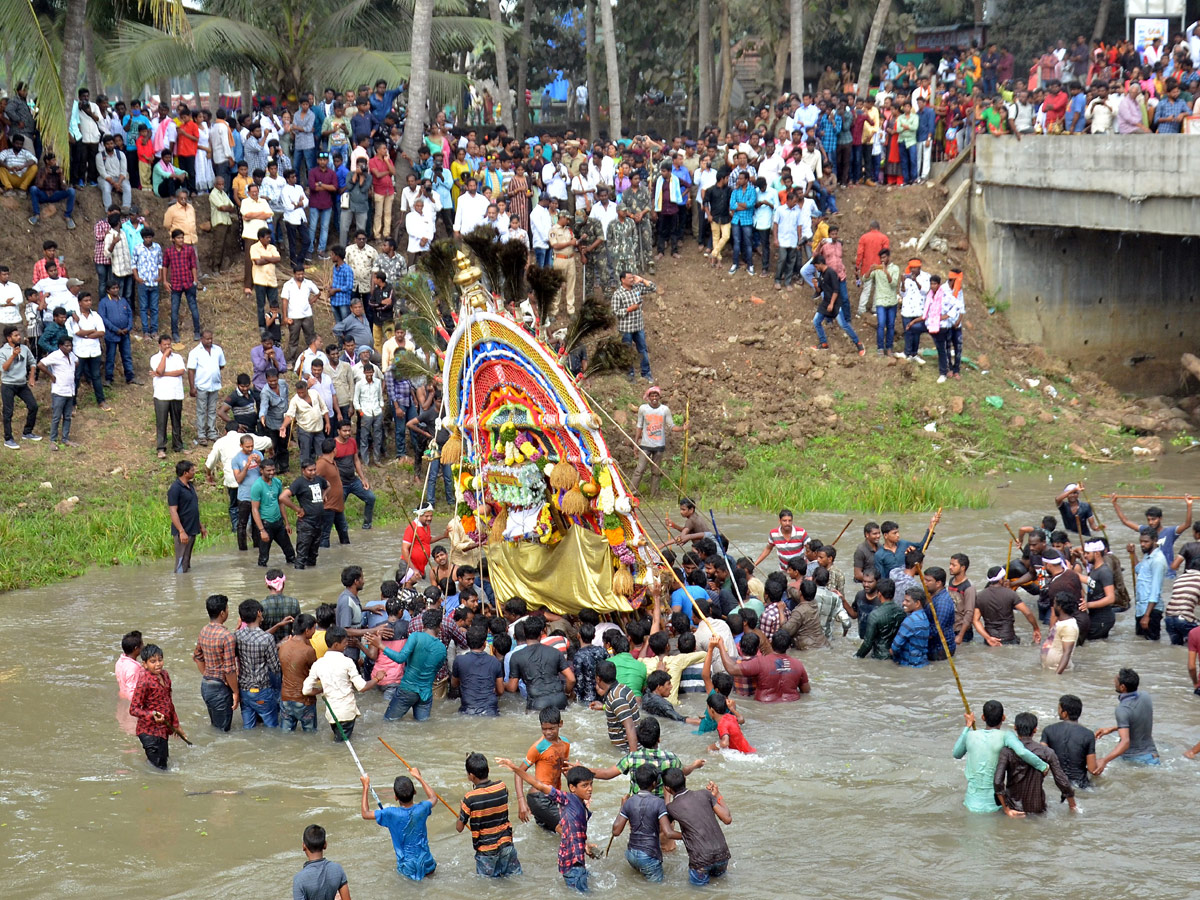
[(322, 188), (266, 356)]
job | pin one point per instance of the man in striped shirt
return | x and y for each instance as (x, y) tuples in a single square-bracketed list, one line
[(787, 540), (485, 810), (1180, 614)]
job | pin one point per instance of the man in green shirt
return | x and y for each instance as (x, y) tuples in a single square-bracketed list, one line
[(630, 672), (906, 132), (268, 516), (422, 656), (885, 279), (882, 624), (982, 750)]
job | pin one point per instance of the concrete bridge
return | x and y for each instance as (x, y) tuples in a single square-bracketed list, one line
[(1093, 242)]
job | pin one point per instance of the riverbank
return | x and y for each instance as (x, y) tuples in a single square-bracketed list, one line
[(772, 422)]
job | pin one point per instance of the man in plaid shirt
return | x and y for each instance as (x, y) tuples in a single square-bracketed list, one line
[(216, 658), (258, 668), (627, 307), (182, 265), (400, 393), (100, 255)]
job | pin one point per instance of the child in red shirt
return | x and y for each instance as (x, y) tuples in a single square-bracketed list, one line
[(153, 707), (727, 727)]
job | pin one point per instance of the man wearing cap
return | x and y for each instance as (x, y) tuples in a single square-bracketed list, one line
[(1148, 578), (1064, 580), (1100, 592), (994, 607), (1076, 514), (653, 422), (564, 243), (322, 188)]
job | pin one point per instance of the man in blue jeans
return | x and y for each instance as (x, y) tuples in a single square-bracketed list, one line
[(51, 188), (696, 814), (216, 658), (258, 660), (832, 301), (148, 273), (422, 656), (626, 304), (646, 814), (741, 208), (118, 325)]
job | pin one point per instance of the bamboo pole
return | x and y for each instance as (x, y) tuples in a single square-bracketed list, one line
[(687, 421), (840, 533), (407, 766), (945, 647)]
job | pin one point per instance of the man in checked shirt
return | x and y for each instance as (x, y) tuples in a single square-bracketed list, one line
[(216, 658), (258, 661), (627, 307)]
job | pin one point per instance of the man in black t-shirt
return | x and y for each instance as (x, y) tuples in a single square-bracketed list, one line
[(478, 676), (242, 405), (1074, 744), (184, 507), (539, 665), (309, 491), (1100, 591)]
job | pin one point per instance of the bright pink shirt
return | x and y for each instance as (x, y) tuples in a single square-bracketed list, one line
[(127, 671)]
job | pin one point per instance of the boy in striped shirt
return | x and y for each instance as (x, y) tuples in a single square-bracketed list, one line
[(485, 810)]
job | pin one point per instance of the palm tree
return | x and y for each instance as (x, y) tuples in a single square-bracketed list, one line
[(523, 71), (54, 78), (726, 69), (796, 28), (293, 45), (705, 60), (872, 47), (589, 30), (418, 84), (614, 73), (498, 42)]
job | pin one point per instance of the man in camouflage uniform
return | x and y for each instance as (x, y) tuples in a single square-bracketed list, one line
[(594, 255), (623, 243), (638, 202)]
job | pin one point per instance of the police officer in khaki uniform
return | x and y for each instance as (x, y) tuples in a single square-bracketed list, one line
[(563, 243)]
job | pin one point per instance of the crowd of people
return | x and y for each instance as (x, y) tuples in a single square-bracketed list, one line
[(437, 638)]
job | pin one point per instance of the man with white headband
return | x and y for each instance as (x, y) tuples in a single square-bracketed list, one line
[(994, 607), (1064, 580), (1076, 514), (1101, 591), (417, 547)]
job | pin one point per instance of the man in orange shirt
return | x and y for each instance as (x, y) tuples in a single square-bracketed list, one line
[(186, 141), (865, 259)]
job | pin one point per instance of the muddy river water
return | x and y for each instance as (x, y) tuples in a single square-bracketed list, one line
[(853, 794)]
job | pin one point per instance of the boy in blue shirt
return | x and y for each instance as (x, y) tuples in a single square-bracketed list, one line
[(407, 824)]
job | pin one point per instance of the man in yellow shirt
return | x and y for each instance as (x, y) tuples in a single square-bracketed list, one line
[(256, 213), (261, 258)]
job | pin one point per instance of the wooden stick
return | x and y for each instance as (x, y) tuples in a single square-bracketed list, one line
[(1016, 540), (945, 647), (1145, 497), (687, 419), (609, 847), (346, 740), (1099, 524), (928, 540), (840, 533), (407, 766), (183, 737), (1008, 560)]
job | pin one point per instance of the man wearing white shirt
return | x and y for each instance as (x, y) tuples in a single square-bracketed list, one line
[(56, 292), (411, 192), (368, 403), (787, 234), (807, 114), (539, 232), (771, 167), (472, 210), (313, 353), (271, 190), (168, 369), (294, 201), (604, 211), (608, 166), (204, 365), (87, 329), (220, 140), (295, 310), (583, 190), (419, 224), (554, 177), (223, 451), (11, 300), (60, 367)]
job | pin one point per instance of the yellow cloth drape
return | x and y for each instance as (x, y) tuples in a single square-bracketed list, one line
[(573, 574)]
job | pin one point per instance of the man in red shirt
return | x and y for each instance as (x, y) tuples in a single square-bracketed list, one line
[(867, 256), (1055, 106), (186, 141), (322, 189), (778, 677)]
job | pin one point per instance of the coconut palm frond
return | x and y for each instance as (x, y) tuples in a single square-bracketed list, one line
[(592, 318), (141, 54), (612, 356), (545, 284), (407, 364), (483, 244), (413, 295), (440, 262), (31, 52), (514, 257)]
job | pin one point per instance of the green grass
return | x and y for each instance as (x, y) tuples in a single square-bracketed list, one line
[(117, 524)]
